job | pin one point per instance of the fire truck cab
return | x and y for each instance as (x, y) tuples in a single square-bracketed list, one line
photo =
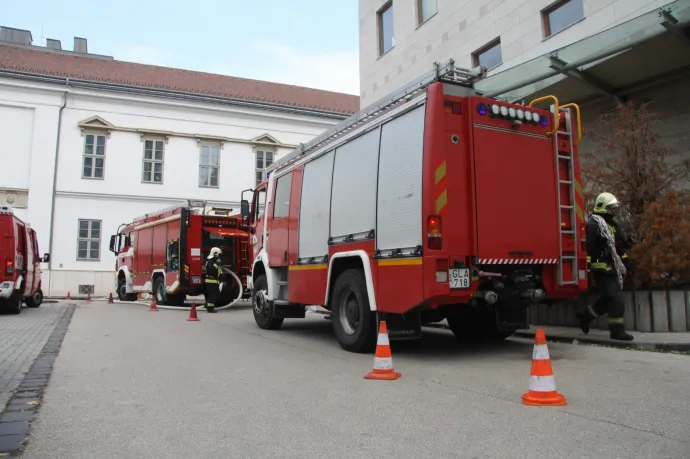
[(20, 275), (164, 253), (434, 204)]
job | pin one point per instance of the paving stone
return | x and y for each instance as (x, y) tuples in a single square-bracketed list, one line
[(14, 416), (11, 442), (21, 339), (14, 428)]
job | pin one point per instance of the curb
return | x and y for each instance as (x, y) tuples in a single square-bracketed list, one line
[(21, 409), (659, 347)]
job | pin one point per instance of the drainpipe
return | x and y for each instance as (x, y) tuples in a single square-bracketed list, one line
[(55, 174)]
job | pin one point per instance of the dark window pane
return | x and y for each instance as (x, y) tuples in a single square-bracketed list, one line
[(147, 167), (214, 176), (148, 154), (565, 15), (259, 159), (82, 253), (203, 176), (100, 150), (148, 144), (100, 141), (98, 173), (88, 149), (386, 21), (95, 233), (99, 162), (83, 232), (159, 155), (89, 139), (95, 225), (491, 57), (157, 177), (147, 176), (158, 167)]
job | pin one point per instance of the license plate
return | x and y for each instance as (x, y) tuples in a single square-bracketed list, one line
[(459, 278)]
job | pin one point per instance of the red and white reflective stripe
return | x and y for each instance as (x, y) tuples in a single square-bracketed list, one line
[(518, 261), (542, 383), (383, 340)]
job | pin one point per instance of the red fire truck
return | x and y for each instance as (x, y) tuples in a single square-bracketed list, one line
[(164, 253), (433, 204), (20, 273)]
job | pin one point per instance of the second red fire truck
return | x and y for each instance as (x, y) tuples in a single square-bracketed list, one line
[(433, 204), (164, 253)]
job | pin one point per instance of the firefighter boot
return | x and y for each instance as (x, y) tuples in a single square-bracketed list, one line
[(211, 309), (585, 317), (618, 332)]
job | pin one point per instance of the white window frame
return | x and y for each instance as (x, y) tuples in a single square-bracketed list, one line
[(152, 161), (264, 151), (209, 167), (93, 156), (89, 239)]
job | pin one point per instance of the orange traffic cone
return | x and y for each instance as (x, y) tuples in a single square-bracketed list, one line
[(153, 307), (542, 385), (69, 297), (88, 297), (192, 314), (110, 299), (383, 359)]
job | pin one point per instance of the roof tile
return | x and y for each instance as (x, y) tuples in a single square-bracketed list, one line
[(120, 72)]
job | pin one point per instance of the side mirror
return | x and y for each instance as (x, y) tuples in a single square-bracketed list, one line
[(113, 239), (244, 209), (46, 258)]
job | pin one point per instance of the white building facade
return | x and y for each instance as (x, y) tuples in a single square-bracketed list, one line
[(401, 39), (79, 161)]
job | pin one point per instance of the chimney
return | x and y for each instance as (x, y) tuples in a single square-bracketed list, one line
[(80, 45), (16, 36), (53, 44)]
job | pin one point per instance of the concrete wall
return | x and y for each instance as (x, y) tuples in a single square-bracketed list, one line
[(671, 103), (462, 27), (28, 136)]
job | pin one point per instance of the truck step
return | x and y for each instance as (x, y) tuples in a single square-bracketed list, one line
[(282, 283)]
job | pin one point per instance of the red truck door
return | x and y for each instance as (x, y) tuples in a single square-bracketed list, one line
[(278, 225), (517, 212)]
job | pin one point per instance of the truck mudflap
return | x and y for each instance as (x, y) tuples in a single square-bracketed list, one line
[(401, 327)]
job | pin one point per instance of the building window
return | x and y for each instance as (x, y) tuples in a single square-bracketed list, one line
[(386, 33), (561, 15), (489, 56), (152, 171), (94, 156), (89, 240), (209, 166), (263, 160), (425, 10)]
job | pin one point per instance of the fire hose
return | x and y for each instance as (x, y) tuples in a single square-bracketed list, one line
[(227, 306)]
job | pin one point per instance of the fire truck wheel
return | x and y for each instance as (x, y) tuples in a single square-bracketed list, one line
[(15, 304), (353, 322), (35, 300), (263, 310), (122, 291)]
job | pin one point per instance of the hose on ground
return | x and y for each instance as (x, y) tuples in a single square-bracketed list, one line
[(187, 308)]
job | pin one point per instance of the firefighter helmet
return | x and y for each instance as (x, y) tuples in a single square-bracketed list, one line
[(604, 202), (215, 252)]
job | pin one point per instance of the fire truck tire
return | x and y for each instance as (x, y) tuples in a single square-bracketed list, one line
[(14, 303), (354, 324), (471, 326), (122, 294), (34, 300), (263, 309)]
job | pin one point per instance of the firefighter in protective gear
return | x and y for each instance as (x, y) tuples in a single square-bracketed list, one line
[(609, 265), (212, 280)]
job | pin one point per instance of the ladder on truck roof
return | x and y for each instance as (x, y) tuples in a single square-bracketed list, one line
[(447, 73)]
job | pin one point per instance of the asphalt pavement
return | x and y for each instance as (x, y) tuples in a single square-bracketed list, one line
[(134, 383)]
